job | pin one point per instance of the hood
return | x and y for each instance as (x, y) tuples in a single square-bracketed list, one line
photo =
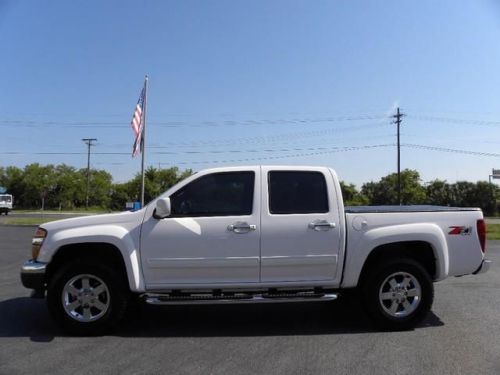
[(83, 221)]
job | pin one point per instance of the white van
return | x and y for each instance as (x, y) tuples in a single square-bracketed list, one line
[(6, 201)]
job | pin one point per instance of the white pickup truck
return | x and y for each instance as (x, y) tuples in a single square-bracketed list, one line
[(253, 234)]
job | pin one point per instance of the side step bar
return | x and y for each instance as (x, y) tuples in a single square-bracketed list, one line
[(165, 299)]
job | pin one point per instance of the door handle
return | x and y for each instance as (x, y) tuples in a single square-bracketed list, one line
[(320, 225), (241, 227)]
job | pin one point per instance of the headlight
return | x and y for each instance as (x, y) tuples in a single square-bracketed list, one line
[(37, 241)]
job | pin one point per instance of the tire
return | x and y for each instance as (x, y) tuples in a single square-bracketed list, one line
[(398, 294), (87, 298)]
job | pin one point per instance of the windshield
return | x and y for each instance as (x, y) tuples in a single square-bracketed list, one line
[(6, 198)]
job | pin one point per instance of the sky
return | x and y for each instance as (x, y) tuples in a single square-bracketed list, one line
[(254, 82)]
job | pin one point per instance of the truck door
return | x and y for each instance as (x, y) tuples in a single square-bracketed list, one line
[(300, 235), (212, 235)]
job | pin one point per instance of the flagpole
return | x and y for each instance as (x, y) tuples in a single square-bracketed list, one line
[(143, 138)]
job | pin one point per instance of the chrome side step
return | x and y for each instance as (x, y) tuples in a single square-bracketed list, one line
[(166, 299)]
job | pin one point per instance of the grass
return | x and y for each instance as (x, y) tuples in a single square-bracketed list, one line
[(493, 231), (91, 210), (29, 220)]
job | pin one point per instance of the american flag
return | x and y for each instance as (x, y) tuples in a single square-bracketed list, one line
[(137, 124)]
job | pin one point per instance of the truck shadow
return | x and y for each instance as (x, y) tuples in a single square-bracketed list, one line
[(26, 317)]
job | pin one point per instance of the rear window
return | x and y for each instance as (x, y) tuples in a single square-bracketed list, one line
[(295, 192)]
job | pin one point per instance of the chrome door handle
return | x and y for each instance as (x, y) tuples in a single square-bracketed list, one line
[(319, 225), (241, 227)]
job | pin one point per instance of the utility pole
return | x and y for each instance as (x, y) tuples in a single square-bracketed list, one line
[(398, 116), (89, 143)]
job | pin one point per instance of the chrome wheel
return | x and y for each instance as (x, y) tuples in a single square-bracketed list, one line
[(400, 294), (85, 298)]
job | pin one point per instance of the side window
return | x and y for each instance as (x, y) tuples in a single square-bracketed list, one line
[(295, 192), (217, 194)]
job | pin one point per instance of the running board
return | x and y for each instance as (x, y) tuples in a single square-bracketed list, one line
[(165, 299)]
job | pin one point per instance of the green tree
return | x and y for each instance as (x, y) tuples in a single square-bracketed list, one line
[(156, 182), (486, 197), (69, 191), (120, 195), (463, 193), (351, 196), (99, 187), (3, 177), (440, 193), (481, 194), (385, 191), (39, 184)]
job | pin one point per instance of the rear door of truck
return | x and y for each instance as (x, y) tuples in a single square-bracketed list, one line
[(300, 225)]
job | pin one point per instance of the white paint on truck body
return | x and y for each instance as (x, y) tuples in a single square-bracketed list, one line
[(121, 230), (278, 250), (455, 254)]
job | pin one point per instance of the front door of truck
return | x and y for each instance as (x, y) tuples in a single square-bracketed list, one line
[(212, 235)]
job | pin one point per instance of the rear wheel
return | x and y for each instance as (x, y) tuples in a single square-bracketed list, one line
[(398, 294), (87, 298)]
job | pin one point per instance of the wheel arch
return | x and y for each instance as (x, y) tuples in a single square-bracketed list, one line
[(418, 251), (103, 252), (424, 243)]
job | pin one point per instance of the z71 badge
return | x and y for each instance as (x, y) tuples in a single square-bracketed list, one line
[(459, 230)]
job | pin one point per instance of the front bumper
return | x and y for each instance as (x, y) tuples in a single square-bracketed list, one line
[(33, 275), (484, 267)]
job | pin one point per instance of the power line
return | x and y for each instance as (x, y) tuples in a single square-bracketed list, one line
[(455, 120), (284, 139), (196, 152), (331, 151), (247, 122), (250, 151), (451, 150), (225, 142), (283, 147), (272, 138), (293, 121), (180, 124), (204, 152)]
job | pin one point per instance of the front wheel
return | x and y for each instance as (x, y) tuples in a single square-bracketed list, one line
[(398, 294), (87, 298)]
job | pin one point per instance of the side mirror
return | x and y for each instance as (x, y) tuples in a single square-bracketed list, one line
[(163, 208)]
